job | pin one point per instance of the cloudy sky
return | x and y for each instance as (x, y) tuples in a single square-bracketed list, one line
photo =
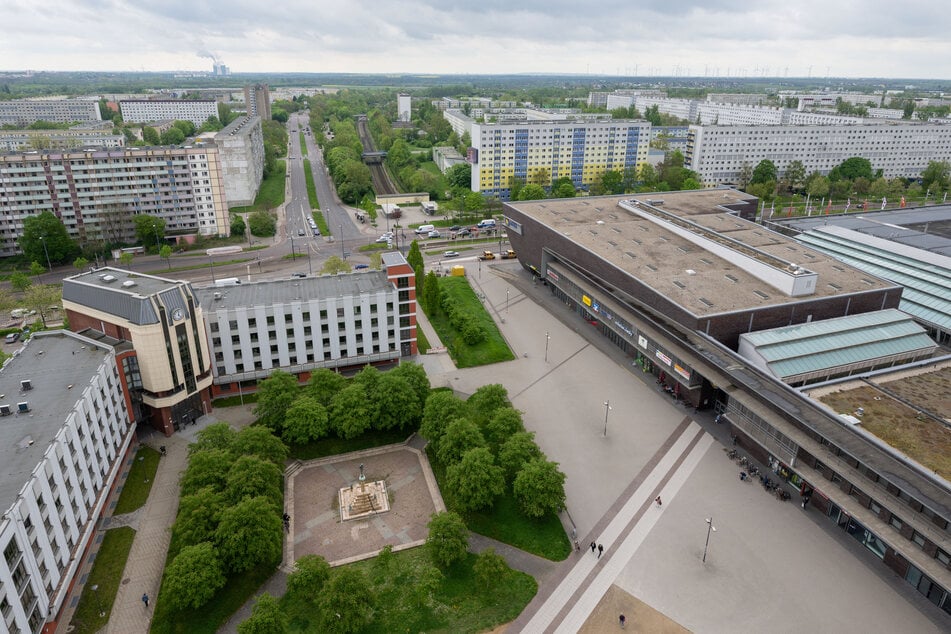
[(843, 38)]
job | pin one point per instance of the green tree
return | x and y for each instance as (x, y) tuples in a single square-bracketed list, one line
[(20, 281), (346, 603), (415, 375), (187, 127), (475, 481), (324, 384), (225, 116), (539, 488), (460, 436), (310, 574), (41, 297), (937, 176), (151, 136), (335, 265), (249, 534), (505, 422), (612, 182), (149, 230), (214, 436), (266, 617), (818, 187), (193, 577), (173, 136), (415, 259), (489, 567), (397, 402), (279, 115), (795, 174), (448, 539), (484, 402), (250, 476), (238, 226), (764, 171), (37, 269), (431, 295), (855, 167), (166, 254), (459, 176), (745, 175), (532, 192), (563, 188), (80, 263), (515, 452), (197, 518), (350, 414), (275, 395), (260, 441), (46, 227), (428, 583), (262, 223), (441, 408), (206, 469), (306, 421)]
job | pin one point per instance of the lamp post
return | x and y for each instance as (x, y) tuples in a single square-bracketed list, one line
[(607, 409), (212, 260), (46, 251), (342, 253), (710, 528), (547, 340), (293, 253), (506, 301), (95, 590)]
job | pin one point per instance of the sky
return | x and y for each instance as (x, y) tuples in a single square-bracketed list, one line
[(726, 38)]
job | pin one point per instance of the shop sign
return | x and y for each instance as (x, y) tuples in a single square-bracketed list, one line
[(552, 275), (642, 341), (512, 225), (586, 300), (663, 357), (684, 372)]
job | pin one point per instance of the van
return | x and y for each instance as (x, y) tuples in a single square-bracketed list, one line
[(487, 224), (425, 229), (228, 281)]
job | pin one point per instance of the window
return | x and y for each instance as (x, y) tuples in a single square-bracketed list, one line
[(897, 523), (918, 538)]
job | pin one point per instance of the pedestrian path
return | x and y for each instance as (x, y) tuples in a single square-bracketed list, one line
[(565, 605)]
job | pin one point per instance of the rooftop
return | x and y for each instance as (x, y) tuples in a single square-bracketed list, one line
[(59, 364), (213, 298), (697, 279), (121, 293)]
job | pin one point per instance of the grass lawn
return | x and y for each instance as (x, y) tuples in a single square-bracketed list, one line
[(106, 574), (422, 343), (311, 189), (333, 446), (194, 267), (544, 537), (137, 485), (492, 350), (234, 401), (271, 193), (303, 145), (460, 604), (320, 220)]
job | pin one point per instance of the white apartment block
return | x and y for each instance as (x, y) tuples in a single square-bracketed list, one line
[(739, 99), (459, 121), (718, 153), (145, 110), (23, 112), (302, 324), (96, 193), (24, 140), (241, 152), (404, 107), (67, 434), (543, 151)]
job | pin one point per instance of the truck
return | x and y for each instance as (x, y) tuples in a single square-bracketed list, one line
[(487, 255), (508, 255), (227, 281)]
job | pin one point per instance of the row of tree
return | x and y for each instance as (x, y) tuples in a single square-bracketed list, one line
[(333, 405), (229, 517), (487, 451)]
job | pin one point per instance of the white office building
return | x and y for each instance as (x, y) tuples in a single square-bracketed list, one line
[(404, 107), (145, 110), (66, 432), (718, 153), (23, 112)]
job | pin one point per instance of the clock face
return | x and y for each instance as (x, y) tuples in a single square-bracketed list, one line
[(178, 314)]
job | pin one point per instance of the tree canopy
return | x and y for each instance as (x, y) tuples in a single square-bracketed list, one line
[(448, 539), (193, 577), (475, 481), (539, 488), (46, 227)]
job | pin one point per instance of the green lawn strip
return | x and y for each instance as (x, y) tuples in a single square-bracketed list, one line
[(211, 616), (492, 350), (333, 446), (233, 241), (422, 343), (204, 265), (376, 246), (321, 222), (461, 604), (271, 193), (311, 188), (303, 145), (235, 401), (106, 574), (138, 483)]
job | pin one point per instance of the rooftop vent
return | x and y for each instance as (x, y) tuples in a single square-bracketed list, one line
[(217, 296), (26, 384), (23, 407), (108, 278), (128, 284), (5, 410)]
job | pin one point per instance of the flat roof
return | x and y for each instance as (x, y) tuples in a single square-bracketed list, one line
[(701, 282), (295, 289), (123, 293), (59, 364)]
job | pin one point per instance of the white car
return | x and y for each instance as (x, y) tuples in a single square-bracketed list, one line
[(450, 254), (385, 238)]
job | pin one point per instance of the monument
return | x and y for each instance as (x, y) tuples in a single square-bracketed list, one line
[(363, 499)]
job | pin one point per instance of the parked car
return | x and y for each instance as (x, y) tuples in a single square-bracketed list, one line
[(385, 238), (462, 233), (450, 254), (357, 267), (298, 274), (13, 337), (435, 234), (300, 232), (508, 255), (455, 227)]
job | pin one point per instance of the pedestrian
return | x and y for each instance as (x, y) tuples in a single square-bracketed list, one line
[(593, 547), (162, 449), (577, 546), (600, 550), (622, 620), (658, 500), (145, 599)]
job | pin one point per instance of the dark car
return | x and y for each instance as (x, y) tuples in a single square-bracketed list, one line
[(455, 227), (357, 267), (300, 232)]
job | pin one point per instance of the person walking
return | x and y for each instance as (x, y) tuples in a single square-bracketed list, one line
[(658, 500), (600, 550), (622, 619), (145, 599), (593, 547)]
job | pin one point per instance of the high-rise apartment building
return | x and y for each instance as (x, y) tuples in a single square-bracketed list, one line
[(145, 110), (241, 148), (543, 151), (25, 140), (404, 107), (23, 112), (257, 101)]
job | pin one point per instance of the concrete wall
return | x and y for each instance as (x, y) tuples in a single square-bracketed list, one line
[(241, 152)]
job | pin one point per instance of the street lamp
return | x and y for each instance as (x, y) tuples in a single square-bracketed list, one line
[(506, 301), (46, 251), (547, 339), (95, 589), (710, 528), (342, 253), (293, 253), (607, 408)]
